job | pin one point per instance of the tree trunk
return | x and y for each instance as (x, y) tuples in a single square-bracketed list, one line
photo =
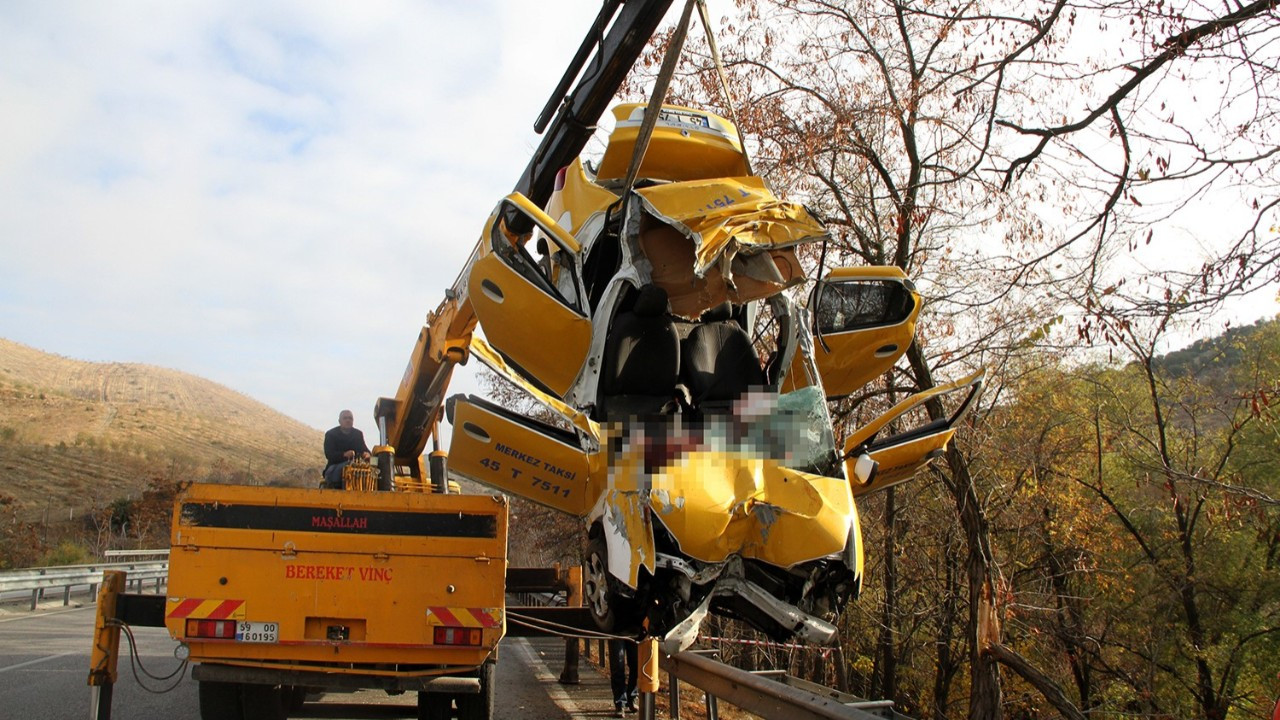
[(985, 697), (1048, 688), (885, 676), (1068, 625), (946, 667)]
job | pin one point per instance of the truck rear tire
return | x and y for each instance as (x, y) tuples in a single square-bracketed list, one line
[(435, 706), (220, 701), (480, 705), (294, 697), (262, 702)]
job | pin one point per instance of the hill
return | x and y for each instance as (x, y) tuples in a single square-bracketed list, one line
[(76, 435), (1211, 356)]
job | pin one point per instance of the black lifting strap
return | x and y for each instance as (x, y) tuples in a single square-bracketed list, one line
[(724, 80), (660, 86)]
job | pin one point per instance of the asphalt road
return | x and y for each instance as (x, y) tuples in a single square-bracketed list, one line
[(44, 664)]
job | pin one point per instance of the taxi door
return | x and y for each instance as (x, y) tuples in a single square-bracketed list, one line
[(558, 465), (864, 318), (899, 456), (526, 290)]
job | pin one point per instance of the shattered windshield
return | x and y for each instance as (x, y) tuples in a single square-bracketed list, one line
[(793, 429)]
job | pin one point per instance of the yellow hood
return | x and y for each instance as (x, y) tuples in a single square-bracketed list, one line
[(717, 504)]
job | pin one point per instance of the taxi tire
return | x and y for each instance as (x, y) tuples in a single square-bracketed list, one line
[(435, 706), (480, 705), (612, 611), (597, 586), (220, 701)]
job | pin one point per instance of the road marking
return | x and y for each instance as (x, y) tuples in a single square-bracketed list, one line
[(36, 661), (546, 677)]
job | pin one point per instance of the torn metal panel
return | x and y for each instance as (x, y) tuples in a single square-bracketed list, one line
[(704, 254), (730, 215), (628, 528)]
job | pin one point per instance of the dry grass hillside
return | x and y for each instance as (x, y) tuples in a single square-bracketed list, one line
[(77, 435)]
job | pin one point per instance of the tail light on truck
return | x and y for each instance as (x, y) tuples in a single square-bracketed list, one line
[(220, 629), (457, 636)]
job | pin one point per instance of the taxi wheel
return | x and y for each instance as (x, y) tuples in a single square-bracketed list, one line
[(611, 610), (596, 585)]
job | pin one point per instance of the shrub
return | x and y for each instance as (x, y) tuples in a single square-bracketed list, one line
[(68, 552)]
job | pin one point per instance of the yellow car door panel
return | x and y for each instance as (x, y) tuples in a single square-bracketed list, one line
[(531, 310), (864, 320), (900, 456), (520, 455)]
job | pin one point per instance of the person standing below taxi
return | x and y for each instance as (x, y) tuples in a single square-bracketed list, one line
[(342, 444), (623, 666)]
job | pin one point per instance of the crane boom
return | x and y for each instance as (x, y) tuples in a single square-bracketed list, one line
[(580, 109), (408, 421)]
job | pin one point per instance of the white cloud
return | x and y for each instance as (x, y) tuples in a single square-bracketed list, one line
[(269, 196)]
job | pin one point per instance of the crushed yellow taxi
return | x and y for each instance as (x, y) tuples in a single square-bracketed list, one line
[(684, 362)]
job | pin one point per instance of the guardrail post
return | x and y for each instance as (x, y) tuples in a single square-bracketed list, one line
[(35, 598), (66, 596), (647, 680), (569, 676), (106, 646), (673, 696)]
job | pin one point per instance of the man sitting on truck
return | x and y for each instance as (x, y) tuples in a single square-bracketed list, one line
[(341, 445)]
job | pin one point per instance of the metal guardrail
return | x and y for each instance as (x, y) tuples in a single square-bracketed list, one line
[(66, 577), (772, 694), (132, 555)]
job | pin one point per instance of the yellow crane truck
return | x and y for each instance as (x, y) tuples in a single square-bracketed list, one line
[(273, 591), (395, 582)]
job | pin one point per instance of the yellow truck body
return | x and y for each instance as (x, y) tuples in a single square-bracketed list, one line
[(406, 585)]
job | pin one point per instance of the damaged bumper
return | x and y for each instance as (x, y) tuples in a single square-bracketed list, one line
[(727, 581)]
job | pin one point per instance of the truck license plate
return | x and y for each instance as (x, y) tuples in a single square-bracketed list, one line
[(257, 632)]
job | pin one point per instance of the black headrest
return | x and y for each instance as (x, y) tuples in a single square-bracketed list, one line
[(719, 313), (651, 302)]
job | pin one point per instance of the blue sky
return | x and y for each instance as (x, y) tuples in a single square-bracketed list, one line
[(271, 196)]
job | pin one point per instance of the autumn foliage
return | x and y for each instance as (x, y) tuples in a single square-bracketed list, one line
[(1077, 188)]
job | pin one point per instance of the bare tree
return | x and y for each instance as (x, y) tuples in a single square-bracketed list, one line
[(878, 115), (1150, 112), (1009, 156)]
